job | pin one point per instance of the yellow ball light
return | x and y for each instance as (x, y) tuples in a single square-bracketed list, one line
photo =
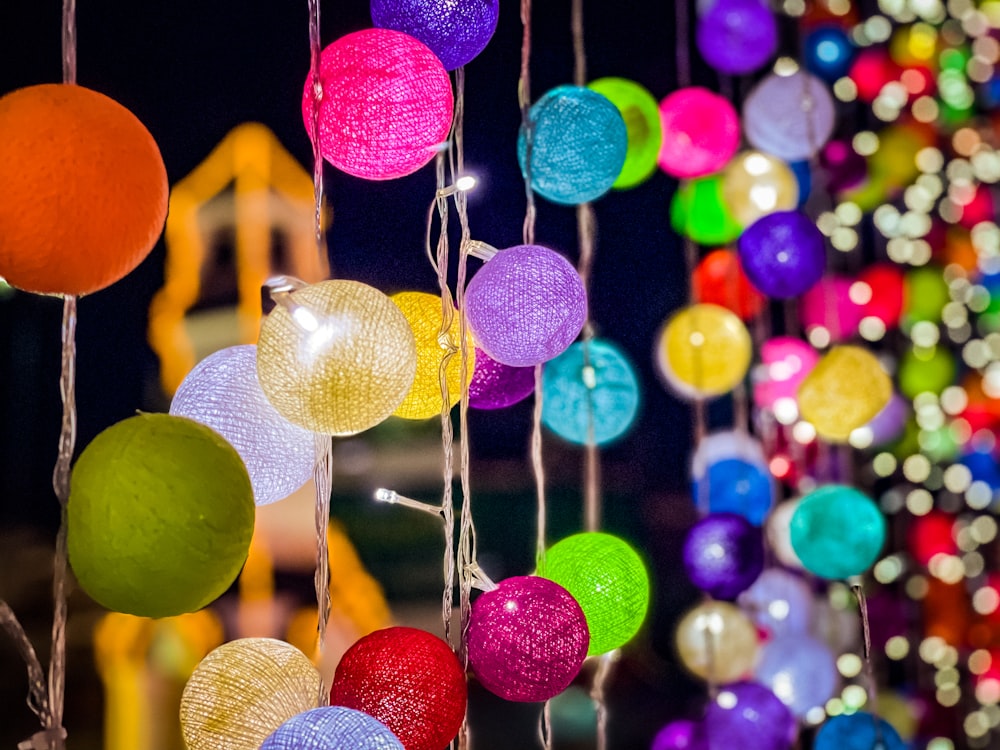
[(424, 314), (244, 690), (704, 350), (337, 357), (756, 184), (845, 390), (717, 642)]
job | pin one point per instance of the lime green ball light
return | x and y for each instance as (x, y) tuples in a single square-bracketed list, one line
[(837, 532), (159, 517), (698, 210), (641, 114), (609, 581)]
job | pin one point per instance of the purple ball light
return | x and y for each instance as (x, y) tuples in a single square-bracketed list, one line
[(527, 639), (526, 305), (800, 670), (680, 735), (737, 36), (779, 602), (454, 31), (723, 554), (845, 167), (783, 254), (748, 716), (495, 385)]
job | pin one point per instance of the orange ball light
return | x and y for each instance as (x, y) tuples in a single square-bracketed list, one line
[(83, 190)]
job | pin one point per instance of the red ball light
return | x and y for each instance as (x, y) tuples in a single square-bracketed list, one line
[(886, 300), (931, 535), (409, 680), (873, 69), (718, 279)]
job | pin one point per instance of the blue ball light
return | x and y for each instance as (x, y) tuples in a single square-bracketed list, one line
[(837, 532), (735, 485), (800, 670), (857, 731), (578, 145), (590, 382), (332, 728), (829, 53)]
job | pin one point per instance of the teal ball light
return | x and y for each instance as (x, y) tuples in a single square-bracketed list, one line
[(837, 532)]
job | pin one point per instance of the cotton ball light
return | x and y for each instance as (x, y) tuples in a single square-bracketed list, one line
[(829, 52), (424, 314), (790, 116), (800, 670), (926, 370), (578, 145), (784, 363), (737, 37), (703, 350), (454, 31), (717, 642), (701, 132), (749, 716), (159, 517), (83, 190), (332, 728), (729, 475), (223, 392), (837, 531), (698, 211), (244, 690), (526, 305), (783, 254), (828, 305), (680, 735), (590, 391), (778, 529), (829, 396), (779, 602), (386, 104), (641, 114), (495, 385), (527, 639), (340, 359), (718, 279), (885, 282), (609, 580), (858, 731), (723, 554), (409, 680), (756, 184)]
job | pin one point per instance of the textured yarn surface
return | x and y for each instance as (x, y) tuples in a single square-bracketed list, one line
[(455, 30), (495, 385), (789, 116), (332, 728)]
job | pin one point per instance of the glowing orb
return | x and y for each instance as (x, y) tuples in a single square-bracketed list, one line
[(641, 114), (699, 211), (495, 385), (800, 670), (779, 602), (784, 364), (716, 641), (455, 31), (790, 116), (332, 728), (701, 132), (730, 475), (783, 254), (718, 279), (857, 731), (748, 716), (756, 184), (723, 554), (737, 37), (829, 53)]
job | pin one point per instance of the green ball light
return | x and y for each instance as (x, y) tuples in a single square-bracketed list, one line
[(159, 517), (926, 370), (837, 532), (641, 113), (926, 294), (609, 581), (698, 211)]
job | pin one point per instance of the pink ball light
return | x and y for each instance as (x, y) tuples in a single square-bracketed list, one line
[(527, 639), (785, 362), (701, 132), (386, 104)]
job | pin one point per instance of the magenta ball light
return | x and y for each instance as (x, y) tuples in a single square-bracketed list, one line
[(495, 385)]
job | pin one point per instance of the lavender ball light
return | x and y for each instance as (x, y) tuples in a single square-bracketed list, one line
[(737, 36), (455, 30), (783, 254), (724, 554), (748, 716)]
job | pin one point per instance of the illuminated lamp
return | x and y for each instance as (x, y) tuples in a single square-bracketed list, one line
[(699, 212), (828, 52), (159, 517), (925, 293), (526, 305), (756, 184), (736, 37), (779, 602), (779, 533), (749, 716), (723, 554), (223, 392), (783, 254), (885, 282), (578, 145), (790, 116), (717, 642), (837, 532), (454, 31), (889, 423), (641, 114), (495, 385), (828, 305), (386, 104), (871, 70), (337, 358), (244, 690), (590, 391), (858, 731), (703, 351), (332, 728), (718, 279), (830, 398), (784, 363), (844, 167), (730, 475), (680, 735), (802, 170), (931, 535), (83, 190), (527, 639), (926, 370), (609, 580), (798, 669), (409, 680), (978, 209), (701, 132)]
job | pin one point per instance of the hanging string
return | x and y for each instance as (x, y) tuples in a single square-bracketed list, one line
[(545, 726), (866, 634), (605, 664), (524, 99)]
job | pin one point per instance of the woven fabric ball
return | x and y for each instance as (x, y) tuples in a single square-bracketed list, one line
[(342, 362), (332, 728), (454, 31), (857, 731), (829, 52), (756, 184), (717, 642), (641, 114), (829, 396), (800, 670), (424, 314), (525, 305), (609, 580), (590, 387), (244, 690), (748, 716), (495, 385), (527, 639), (784, 363), (790, 116), (703, 350), (83, 190), (386, 105), (723, 554), (701, 132), (578, 145), (409, 680), (680, 735), (783, 254), (779, 602), (737, 37), (159, 517), (699, 211), (718, 279), (837, 531), (223, 392), (729, 475)]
